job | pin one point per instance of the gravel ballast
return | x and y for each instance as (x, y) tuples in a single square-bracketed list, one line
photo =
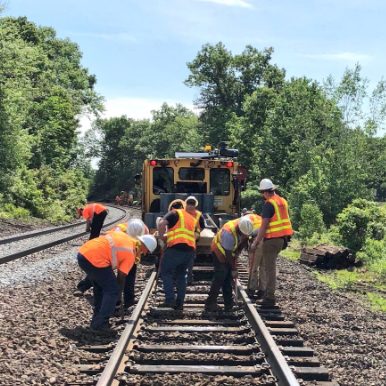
[(43, 324)]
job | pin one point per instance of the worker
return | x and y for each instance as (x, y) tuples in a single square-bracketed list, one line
[(123, 227), (98, 258), (273, 234), (226, 246), (95, 215), (256, 279), (133, 228), (180, 250), (190, 206)]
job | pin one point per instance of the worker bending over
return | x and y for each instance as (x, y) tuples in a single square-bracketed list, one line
[(98, 258), (273, 234), (95, 215), (177, 229), (226, 246), (190, 206)]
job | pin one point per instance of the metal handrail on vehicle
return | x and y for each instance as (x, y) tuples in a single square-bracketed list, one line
[(108, 374)]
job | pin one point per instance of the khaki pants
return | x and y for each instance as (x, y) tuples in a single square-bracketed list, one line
[(271, 249), (257, 278)]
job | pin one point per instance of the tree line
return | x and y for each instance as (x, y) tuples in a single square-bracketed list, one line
[(43, 91), (318, 142)]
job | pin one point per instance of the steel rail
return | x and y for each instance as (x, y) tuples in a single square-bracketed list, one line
[(275, 358), (18, 255), (39, 233), (111, 368)]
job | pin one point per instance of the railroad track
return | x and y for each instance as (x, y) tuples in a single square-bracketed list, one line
[(59, 240), (250, 345)]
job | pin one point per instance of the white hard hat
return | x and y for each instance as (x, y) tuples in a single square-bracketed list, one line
[(149, 241), (135, 228), (266, 184), (245, 225), (192, 198)]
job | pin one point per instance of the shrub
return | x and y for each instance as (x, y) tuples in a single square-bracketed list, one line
[(252, 199), (311, 222), (10, 211), (361, 220)]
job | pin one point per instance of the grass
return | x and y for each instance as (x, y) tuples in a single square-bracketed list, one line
[(356, 280)]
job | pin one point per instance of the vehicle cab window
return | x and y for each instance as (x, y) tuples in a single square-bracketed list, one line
[(163, 180), (220, 182)]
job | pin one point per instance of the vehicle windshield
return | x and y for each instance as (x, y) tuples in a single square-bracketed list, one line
[(163, 180), (220, 182)]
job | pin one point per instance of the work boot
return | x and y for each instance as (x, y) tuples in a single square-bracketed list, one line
[(260, 294), (213, 307), (179, 306), (266, 302), (251, 293), (104, 331), (167, 305)]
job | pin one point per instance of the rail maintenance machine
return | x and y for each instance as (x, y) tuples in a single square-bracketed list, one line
[(213, 177)]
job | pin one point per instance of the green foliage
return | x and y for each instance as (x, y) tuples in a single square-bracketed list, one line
[(43, 90), (252, 199), (311, 221), (373, 255), (225, 80), (126, 143), (10, 211), (361, 220)]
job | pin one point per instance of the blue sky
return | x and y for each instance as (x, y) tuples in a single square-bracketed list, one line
[(138, 49)]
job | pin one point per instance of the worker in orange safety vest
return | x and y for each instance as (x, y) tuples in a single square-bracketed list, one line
[(98, 258), (95, 215)]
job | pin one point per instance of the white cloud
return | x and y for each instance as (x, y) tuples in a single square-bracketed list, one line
[(136, 108), (232, 3), (347, 56), (110, 37)]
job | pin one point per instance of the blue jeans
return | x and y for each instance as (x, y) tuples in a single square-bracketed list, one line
[(175, 260), (106, 291)]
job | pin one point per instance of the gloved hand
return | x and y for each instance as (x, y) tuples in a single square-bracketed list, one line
[(235, 274)]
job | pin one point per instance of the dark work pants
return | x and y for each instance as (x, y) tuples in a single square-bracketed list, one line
[(129, 292), (106, 291), (96, 227), (222, 278), (97, 224)]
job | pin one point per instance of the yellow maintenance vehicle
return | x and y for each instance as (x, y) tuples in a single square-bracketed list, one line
[(214, 177)]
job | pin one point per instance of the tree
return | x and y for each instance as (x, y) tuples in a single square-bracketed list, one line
[(225, 80)]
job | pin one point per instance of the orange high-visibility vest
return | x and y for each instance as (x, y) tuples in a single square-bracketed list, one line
[(196, 215), (280, 224), (91, 209), (183, 231), (216, 247), (256, 220), (116, 249)]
